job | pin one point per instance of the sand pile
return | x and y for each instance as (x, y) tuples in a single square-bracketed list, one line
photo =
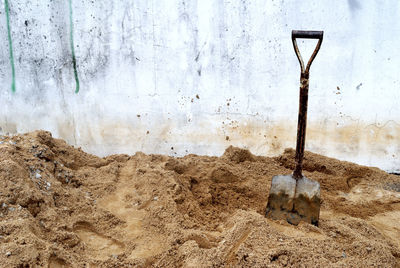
[(62, 207)]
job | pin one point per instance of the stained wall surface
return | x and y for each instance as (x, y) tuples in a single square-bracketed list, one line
[(181, 77)]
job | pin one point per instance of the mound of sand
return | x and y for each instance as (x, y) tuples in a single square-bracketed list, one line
[(62, 207)]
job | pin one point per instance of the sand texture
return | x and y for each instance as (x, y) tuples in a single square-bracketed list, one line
[(62, 207)]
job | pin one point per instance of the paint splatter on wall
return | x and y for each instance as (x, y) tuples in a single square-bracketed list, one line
[(6, 6)]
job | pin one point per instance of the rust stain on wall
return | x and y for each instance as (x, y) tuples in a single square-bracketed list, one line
[(358, 142)]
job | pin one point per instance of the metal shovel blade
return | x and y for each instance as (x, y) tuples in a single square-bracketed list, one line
[(294, 201)]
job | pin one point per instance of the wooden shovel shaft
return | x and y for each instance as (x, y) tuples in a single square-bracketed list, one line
[(302, 121), (301, 125)]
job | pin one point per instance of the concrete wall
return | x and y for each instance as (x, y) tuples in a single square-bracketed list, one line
[(182, 77)]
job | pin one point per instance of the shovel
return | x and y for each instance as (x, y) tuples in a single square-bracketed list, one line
[(296, 198)]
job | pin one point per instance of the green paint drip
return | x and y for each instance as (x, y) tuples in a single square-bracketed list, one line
[(10, 46), (71, 37)]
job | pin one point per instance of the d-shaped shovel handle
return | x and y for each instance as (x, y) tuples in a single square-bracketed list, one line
[(302, 120), (307, 35)]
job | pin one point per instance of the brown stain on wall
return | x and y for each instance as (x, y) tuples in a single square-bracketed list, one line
[(8, 127), (352, 141)]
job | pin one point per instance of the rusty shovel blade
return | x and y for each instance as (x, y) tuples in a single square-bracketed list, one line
[(294, 200)]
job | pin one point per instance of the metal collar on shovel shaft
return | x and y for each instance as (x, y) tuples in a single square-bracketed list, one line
[(294, 197)]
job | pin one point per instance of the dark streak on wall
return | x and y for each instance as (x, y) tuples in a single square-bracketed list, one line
[(71, 24), (6, 6)]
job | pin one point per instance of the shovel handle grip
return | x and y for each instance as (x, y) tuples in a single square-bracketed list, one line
[(307, 34)]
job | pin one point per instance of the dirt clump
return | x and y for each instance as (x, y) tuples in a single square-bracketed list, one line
[(238, 155), (62, 207)]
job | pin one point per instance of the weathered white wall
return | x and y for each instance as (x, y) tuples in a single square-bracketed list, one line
[(180, 77)]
